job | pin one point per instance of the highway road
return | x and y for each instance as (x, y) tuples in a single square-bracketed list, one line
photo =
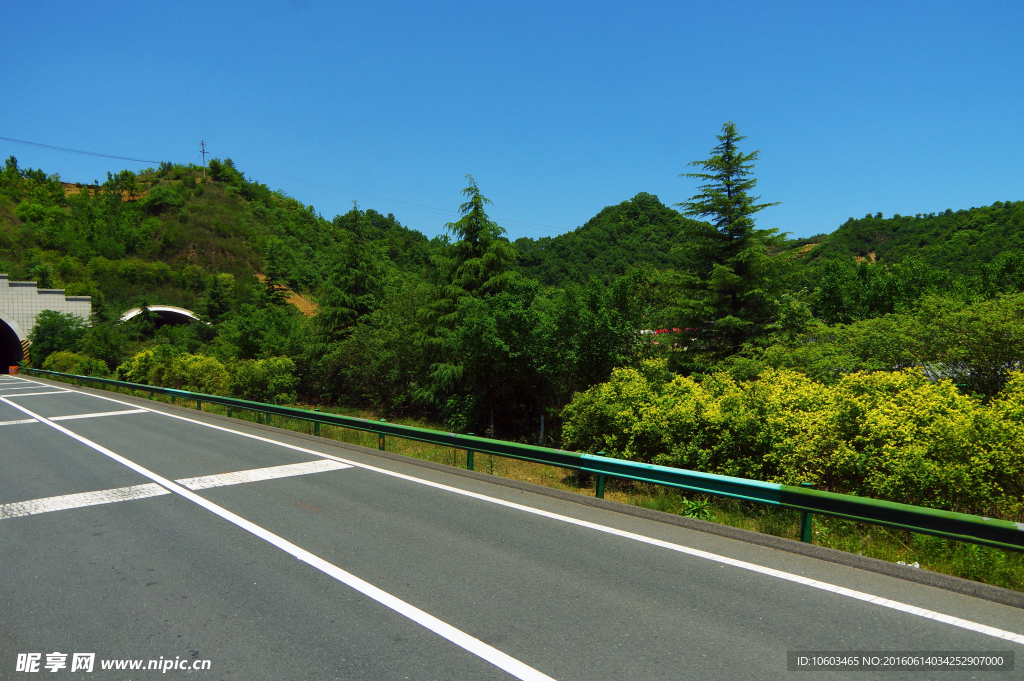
[(132, 530)]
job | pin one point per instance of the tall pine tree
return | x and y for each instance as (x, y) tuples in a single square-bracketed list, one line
[(730, 292)]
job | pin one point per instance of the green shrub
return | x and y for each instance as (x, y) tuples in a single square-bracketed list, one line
[(197, 373), (264, 380), (74, 363), (54, 331), (138, 368)]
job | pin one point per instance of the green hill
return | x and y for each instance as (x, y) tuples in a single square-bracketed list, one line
[(159, 234), (639, 231), (956, 241)]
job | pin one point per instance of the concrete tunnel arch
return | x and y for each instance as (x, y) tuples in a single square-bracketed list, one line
[(166, 314), (13, 342)]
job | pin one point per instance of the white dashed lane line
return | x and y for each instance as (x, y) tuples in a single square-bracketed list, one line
[(77, 416), (99, 413), (109, 496), (68, 501), (258, 474)]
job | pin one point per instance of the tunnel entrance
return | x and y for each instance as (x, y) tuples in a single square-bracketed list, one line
[(164, 315), (10, 348)]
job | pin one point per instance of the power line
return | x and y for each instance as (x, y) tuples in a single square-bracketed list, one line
[(79, 151), (442, 211)]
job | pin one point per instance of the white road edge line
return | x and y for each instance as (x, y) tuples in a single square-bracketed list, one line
[(20, 509), (518, 669), (98, 413), (753, 567)]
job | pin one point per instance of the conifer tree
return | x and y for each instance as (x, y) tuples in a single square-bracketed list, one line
[(731, 290), (478, 263)]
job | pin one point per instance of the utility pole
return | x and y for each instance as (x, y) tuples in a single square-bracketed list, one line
[(202, 150)]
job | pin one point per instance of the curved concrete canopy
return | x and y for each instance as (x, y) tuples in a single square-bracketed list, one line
[(168, 313), (9, 321)]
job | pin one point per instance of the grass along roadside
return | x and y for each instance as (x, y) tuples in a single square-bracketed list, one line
[(960, 559)]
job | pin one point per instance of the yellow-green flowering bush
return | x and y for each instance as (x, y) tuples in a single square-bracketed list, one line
[(895, 436)]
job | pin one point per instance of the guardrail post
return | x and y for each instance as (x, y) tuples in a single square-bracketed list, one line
[(199, 404), (469, 457), (316, 424), (229, 411), (806, 520), (172, 399), (380, 437), (599, 487)]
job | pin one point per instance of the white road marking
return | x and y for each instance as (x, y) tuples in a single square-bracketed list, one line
[(460, 638), (15, 423), (99, 413), (20, 387), (787, 576), (61, 503), (258, 474), (52, 392), (109, 496)]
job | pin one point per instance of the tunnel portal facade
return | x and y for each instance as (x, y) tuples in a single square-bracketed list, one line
[(20, 302)]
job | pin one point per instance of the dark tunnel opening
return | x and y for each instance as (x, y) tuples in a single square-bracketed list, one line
[(10, 348)]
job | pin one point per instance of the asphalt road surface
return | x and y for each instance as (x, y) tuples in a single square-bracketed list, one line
[(133, 531)]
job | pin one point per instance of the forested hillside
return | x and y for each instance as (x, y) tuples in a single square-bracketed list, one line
[(956, 241), (159, 234), (604, 339)]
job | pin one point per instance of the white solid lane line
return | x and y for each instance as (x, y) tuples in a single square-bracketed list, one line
[(67, 501), (99, 413), (753, 567), (258, 474), (107, 496), (518, 669)]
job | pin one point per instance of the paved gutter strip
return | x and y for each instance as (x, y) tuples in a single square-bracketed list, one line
[(934, 579)]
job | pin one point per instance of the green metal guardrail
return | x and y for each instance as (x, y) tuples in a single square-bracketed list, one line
[(961, 526)]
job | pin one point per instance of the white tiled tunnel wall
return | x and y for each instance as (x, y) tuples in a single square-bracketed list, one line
[(22, 301)]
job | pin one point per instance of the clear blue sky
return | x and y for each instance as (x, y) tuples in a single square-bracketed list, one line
[(558, 109)]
